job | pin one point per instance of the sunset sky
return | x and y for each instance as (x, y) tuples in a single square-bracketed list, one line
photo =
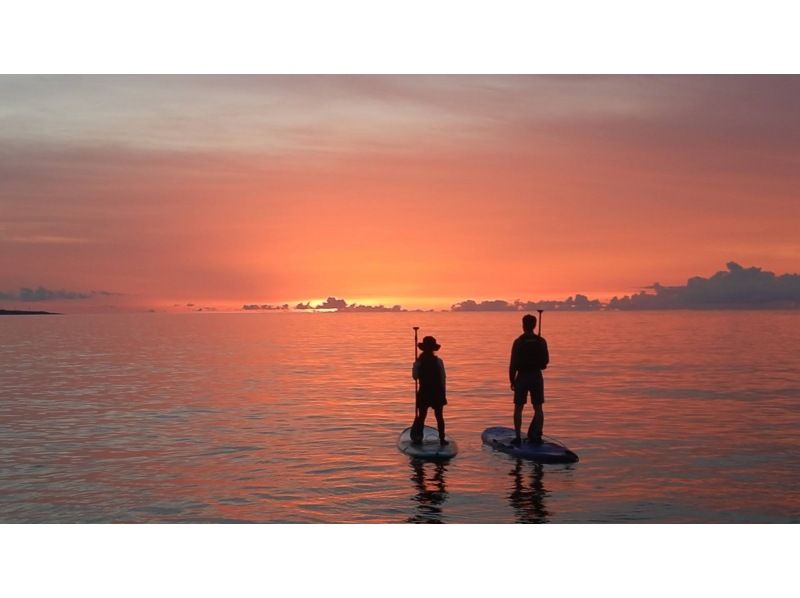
[(421, 191)]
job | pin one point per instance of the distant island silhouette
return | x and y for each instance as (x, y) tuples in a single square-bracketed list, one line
[(22, 312)]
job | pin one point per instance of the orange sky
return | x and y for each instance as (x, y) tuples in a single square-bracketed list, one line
[(421, 191)]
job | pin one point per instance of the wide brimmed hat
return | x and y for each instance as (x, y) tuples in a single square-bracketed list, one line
[(429, 343)]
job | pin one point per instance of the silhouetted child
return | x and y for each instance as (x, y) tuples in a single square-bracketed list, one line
[(429, 370)]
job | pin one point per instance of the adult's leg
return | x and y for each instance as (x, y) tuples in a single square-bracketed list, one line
[(537, 423), (520, 396), (439, 413), (537, 399), (518, 418)]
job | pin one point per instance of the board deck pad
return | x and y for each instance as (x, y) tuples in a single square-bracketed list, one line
[(430, 447), (550, 451)]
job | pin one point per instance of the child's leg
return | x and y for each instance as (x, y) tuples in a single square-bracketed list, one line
[(419, 423), (439, 412), (423, 413)]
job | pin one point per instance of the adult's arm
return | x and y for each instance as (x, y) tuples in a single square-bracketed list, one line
[(512, 366), (546, 355)]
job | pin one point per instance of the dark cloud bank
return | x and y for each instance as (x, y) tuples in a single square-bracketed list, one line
[(265, 307), (340, 305), (331, 303), (735, 288), (578, 303), (44, 294)]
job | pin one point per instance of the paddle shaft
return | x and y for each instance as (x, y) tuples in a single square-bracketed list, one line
[(541, 311), (416, 382)]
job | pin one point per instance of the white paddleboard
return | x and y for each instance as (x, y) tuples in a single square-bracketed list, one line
[(430, 447)]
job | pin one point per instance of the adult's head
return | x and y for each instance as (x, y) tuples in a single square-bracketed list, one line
[(528, 323)]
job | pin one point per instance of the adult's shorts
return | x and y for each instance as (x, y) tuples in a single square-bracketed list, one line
[(529, 383)]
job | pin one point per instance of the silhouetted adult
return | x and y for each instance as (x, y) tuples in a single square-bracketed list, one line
[(529, 356), (429, 370), (528, 502)]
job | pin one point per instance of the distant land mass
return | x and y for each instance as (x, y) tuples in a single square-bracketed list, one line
[(21, 312)]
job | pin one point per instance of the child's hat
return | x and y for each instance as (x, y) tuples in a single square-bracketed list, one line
[(429, 343)]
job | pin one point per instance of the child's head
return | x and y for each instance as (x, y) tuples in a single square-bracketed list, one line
[(429, 344)]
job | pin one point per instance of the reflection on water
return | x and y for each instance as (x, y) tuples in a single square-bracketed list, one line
[(527, 496), (429, 482), (294, 418)]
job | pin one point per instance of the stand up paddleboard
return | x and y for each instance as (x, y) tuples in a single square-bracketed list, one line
[(550, 451), (430, 448)]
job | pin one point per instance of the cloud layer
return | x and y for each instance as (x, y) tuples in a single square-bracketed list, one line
[(265, 307), (734, 288), (578, 303), (28, 295), (330, 304)]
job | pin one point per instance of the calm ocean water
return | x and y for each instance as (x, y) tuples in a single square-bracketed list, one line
[(676, 416)]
